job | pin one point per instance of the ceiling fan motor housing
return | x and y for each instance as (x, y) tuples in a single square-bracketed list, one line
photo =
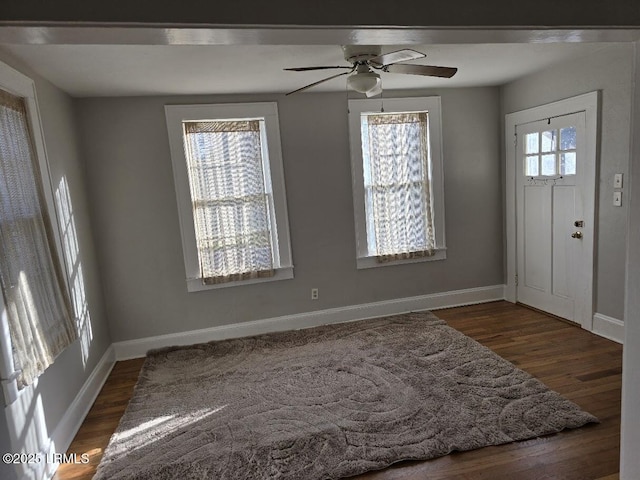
[(360, 53)]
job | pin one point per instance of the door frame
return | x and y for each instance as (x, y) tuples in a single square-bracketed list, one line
[(588, 103)]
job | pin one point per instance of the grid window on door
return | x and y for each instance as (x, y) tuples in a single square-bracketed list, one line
[(550, 152)]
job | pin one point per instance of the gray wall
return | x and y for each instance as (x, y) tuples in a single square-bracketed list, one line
[(610, 71), (62, 381), (136, 222), (7, 472), (630, 422)]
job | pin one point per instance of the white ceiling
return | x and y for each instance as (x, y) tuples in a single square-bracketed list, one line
[(126, 70)]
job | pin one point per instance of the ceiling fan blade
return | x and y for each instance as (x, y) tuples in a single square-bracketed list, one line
[(320, 81), (304, 69), (395, 57), (426, 70)]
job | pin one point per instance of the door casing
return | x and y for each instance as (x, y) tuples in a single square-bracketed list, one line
[(588, 103)]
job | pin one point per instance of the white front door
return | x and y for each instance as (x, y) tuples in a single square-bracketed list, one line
[(551, 227)]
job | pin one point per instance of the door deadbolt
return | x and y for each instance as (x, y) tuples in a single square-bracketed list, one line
[(576, 235), (578, 223)]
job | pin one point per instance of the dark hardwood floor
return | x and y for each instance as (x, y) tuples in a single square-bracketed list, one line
[(581, 366)]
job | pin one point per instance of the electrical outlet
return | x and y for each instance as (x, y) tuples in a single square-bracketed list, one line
[(617, 180), (314, 294)]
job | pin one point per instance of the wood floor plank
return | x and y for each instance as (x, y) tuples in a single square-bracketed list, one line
[(583, 367)]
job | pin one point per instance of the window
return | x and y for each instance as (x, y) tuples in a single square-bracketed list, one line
[(227, 166), (36, 308), (545, 156), (396, 158)]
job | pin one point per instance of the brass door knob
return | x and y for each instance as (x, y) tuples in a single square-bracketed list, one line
[(576, 235)]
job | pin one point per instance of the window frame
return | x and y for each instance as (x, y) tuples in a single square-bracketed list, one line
[(175, 116), (16, 83), (431, 105)]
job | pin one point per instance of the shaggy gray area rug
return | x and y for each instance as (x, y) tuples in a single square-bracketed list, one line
[(326, 403)]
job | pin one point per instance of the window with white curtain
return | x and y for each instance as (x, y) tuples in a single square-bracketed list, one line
[(36, 308), (397, 180), (229, 182)]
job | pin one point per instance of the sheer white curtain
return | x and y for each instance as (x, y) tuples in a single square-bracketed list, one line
[(231, 207), (37, 304), (397, 185)]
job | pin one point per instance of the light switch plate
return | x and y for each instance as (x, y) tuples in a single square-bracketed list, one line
[(617, 199), (617, 180)]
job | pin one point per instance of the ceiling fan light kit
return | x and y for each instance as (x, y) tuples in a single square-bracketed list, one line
[(363, 58), (364, 82)]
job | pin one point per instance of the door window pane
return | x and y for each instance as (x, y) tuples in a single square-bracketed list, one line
[(549, 141), (568, 138), (548, 164), (532, 143), (568, 163), (531, 166)]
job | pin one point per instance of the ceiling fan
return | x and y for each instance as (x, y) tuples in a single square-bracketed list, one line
[(365, 59)]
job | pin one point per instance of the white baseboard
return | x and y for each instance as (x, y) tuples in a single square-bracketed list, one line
[(70, 423), (138, 348), (608, 327)]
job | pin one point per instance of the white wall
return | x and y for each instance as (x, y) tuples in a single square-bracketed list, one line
[(134, 211), (610, 70), (36, 416)]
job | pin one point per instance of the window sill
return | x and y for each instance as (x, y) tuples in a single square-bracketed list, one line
[(196, 285), (371, 262)]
